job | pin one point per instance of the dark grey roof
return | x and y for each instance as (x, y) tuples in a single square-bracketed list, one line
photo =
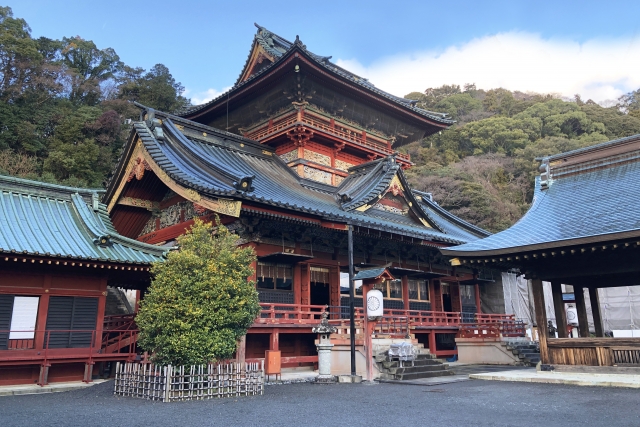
[(214, 163), (371, 273), (597, 204), (596, 147), (65, 222), (448, 222), (366, 181), (279, 47)]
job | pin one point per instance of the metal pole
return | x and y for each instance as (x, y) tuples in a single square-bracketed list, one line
[(352, 293)]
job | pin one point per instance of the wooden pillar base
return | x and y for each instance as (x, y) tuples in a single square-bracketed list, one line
[(88, 372), (43, 378), (541, 319)]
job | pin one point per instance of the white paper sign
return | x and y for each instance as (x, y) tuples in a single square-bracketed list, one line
[(23, 319)]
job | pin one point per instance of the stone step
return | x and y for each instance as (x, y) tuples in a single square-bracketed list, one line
[(383, 357), (416, 376), (522, 348), (396, 364), (417, 369)]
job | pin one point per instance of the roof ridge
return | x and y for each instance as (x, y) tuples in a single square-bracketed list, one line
[(442, 211), (33, 184), (591, 147), (324, 62)]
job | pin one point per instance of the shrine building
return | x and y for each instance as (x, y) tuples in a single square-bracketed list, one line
[(582, 230), (294, 154), (59, 258)]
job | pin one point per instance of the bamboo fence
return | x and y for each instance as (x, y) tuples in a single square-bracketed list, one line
[(198, 382)]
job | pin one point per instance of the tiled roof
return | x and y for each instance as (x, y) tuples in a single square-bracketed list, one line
[(371, 273), (599, 204), (279, 47), (64, 222), (448, 222), (204, 163), (365, 182)]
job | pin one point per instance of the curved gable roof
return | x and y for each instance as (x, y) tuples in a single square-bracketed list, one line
[(594, 200), (65, 222), (281, 49)]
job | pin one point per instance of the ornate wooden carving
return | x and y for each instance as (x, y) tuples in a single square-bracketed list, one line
[(137, 169), (300, 135), (139, 203)]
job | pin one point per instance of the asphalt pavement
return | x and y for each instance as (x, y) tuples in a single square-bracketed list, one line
[(468, 403)]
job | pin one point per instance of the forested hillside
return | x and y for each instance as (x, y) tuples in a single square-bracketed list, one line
[(64, 106), (482, 168)]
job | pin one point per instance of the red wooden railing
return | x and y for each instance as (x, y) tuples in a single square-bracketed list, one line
[(492, 326), (276, 313), (480, 331), (317, 122), (111, 342), (494, 318), (427, 318), (119, 322)]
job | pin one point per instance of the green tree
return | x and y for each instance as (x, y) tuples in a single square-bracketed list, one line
[(200, 302), (18, 54), (458, 105), (157, 88), (88, 68)]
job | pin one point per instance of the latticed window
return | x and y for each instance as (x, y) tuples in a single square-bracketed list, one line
[(418, 290), (391, 289), (274, 276)]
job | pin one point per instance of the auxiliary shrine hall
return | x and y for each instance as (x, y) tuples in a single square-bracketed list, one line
[(296, 156), (290, 157)]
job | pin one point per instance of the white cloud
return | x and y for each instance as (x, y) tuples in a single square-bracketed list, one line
[(600, 69), (206, 96)]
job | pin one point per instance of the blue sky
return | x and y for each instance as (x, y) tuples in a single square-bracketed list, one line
[(562, 47)]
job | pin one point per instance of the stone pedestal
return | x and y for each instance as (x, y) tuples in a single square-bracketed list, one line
[(324, 363), (324, 347)]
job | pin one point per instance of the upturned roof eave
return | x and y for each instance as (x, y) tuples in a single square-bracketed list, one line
[(459, 251)]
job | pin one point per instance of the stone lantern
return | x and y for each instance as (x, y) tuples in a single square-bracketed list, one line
[(324, 330)]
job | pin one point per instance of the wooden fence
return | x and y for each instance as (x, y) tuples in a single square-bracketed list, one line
[(199, 382)]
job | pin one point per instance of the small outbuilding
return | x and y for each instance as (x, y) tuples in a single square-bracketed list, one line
[(583, 229), (58, 254)]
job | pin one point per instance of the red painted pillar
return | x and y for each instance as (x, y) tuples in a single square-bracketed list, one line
[(436, 296), (432, 342), (102, 302), (41, 323), (274, 342), (334, 286), (405, 292), (305, 284), (297, 284), (478, 304)]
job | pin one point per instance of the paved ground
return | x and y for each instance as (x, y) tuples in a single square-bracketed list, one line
[(569, 378), (468, 403), (8, 390)]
